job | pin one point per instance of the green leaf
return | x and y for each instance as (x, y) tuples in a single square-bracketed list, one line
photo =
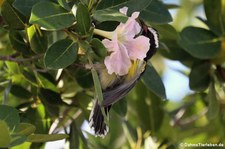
[(166, 31), (172, 6), (61, 54), (156, 13), (11, 16), (51, 100), (24, 6), (104, 4), (109, 15), (147, 107), (174, 51), (30, 77), (51, 97), (17, 140), (37, 138), (151, 11), (98, 92), (37, 39), (97, 84), (153, 82), (38, 117), (98, 48), (215, 15), (12, 67), (214, 105), (4, 135), (133, 5), (200, 76), (74, 137), (25, 129), (18, 42), (64, 4), (83, 19), (46, 83), (51, 16), (20, 92), (199, 42), (84, 78), (10, 115)]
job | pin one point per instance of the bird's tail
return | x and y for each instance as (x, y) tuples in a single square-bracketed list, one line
[(97, 121)]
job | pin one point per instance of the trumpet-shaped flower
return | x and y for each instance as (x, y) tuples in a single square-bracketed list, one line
[(124, 46)]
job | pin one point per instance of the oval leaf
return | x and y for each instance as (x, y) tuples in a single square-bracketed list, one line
[(167, 32), (98, 48), (214, 11), (51, 16), (46, 82), (64, 4), (50, 97), (83, 19), (30, 77), (17, 140), (20, 92), (37, 39), (151, 11), (200, 77), (18, 42), (156, 13), (4, 135), (104, 4), (10, 116), (153, 82), (24, 6), (61, 54), (51, 100), (36, 138), (25, 129), (109, 15), (98, 92), (84, 78), (11, 16), (199, 42)]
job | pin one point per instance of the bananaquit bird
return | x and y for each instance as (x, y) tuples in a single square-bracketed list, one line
[(116, 87)]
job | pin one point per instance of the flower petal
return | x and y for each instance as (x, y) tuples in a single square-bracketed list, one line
[(124, 10), (118, 62), (124, 47), (135, 15), (111, 45), (138, 47), (130, 28)]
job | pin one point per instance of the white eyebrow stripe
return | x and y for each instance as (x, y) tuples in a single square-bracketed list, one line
[(155, 35)]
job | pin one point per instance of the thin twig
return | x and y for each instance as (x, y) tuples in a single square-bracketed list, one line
[(36, 69), (19, 60), (191, 119)]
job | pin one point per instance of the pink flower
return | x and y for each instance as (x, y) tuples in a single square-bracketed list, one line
[(124, 46)]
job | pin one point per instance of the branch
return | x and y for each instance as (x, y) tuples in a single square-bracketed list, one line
[(189, 120), (12, 58)]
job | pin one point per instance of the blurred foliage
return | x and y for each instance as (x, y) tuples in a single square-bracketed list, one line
[(45, 89)]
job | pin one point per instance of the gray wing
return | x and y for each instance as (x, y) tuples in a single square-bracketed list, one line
[(115, 94)]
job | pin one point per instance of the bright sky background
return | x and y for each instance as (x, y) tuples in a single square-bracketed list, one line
[(176, 83)]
